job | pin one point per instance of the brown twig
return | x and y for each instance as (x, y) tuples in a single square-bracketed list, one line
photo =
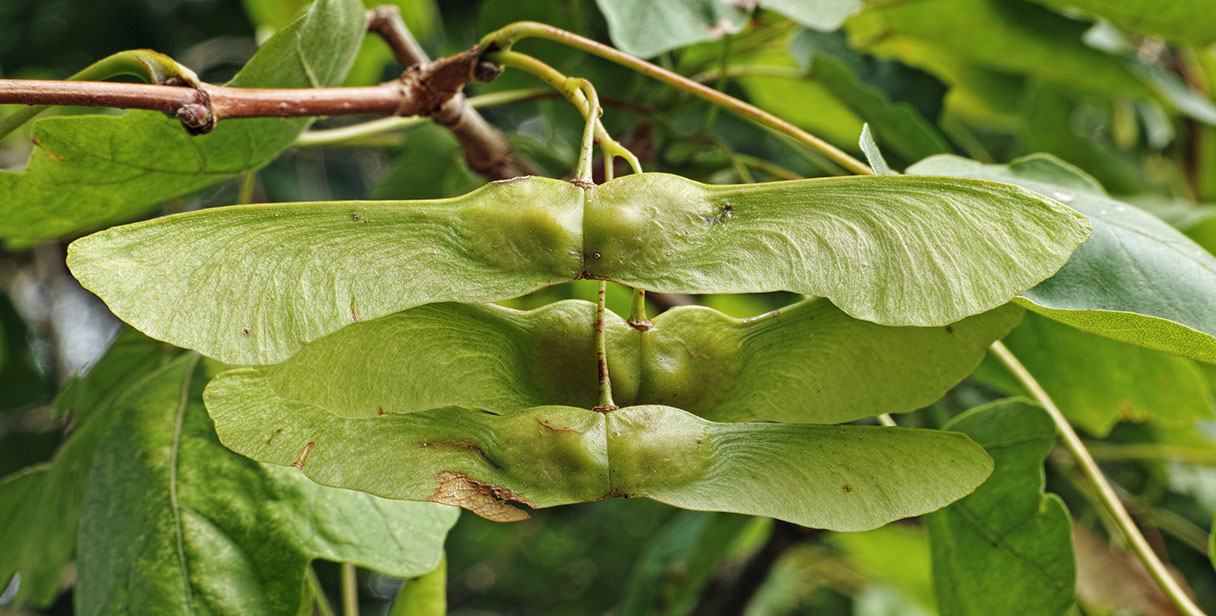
[(421, 90), (486, 148)]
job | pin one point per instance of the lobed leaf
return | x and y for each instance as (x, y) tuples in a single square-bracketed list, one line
[(807, 363), (1136, 279), (1006, 548), (251, 284), (178, 524), (842, 478), (90, 171)]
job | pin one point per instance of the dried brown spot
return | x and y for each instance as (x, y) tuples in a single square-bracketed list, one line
[(379, 410), (582, 183), (596, 255), (355, 217), (245, 331), (276, 433), (605, 408), (848, 489), (354, 318), (484, 499), (302, 457), (556, 428), (640, 325)]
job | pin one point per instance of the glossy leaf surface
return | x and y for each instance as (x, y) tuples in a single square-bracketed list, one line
[(553, 455), (1136, 279), (806, 363), (178, 524), (90, 171), (1006, 548)]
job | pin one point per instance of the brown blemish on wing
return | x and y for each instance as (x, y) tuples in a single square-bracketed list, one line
[(379, 410), (303, 455), (556, 428), (484, 499), (848, 489), (245, 331), (276, 433)]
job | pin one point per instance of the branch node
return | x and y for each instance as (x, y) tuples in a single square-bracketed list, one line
[(197, 118)]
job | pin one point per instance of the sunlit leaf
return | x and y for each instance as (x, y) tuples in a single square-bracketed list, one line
[(1005, 549), (1136, 279), (90, 171), (1191, 21)]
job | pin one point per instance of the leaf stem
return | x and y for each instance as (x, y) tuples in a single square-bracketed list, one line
[(503, 38), (559, 81), (350, 590), (1106, 494), (335, 136), (586, 156), (318, 593), (601, 357), (637, 312), (1154, 451)]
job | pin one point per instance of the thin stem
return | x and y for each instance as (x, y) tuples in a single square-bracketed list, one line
[(760, 164), (145, 64), (503, 38), (637, 312), (318, 593), (721, 85), (1107, 496), (601, 358), (249, 181), (583, 173), (350, 590), (1154, 451), (558, 81)]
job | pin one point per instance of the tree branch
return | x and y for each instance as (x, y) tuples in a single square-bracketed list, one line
[(421, 90), (486, 148)]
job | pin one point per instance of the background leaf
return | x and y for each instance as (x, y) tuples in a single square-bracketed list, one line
[(1098, 382), (179, 524), (1005, 549), (91, 171), (1136, 279), (1189, 21), (647, 29)]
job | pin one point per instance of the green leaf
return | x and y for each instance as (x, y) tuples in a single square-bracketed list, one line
[(805, 363), (646, 29), (823, 15), (873, 154), (554, 455), (425, 595), (21, 378), (257, 281), (894, 250), (1006, 548), (178, 524), (40, 507), (1136, 279), (1190, 21), (1011, 37), (676, 566), (1098, 382), (861, 83), (90, 171)]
